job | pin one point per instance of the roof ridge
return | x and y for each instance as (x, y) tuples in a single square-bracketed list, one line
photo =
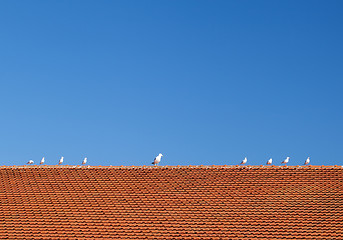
[(178, 166)]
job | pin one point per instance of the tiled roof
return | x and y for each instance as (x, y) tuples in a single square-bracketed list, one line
[(193, 202)]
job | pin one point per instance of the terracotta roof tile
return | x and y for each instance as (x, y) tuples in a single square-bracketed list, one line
[(182, 202)]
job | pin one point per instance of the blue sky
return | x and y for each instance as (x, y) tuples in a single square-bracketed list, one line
[(203, 82)]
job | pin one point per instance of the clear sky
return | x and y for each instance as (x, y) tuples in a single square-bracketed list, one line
[(203, 82)]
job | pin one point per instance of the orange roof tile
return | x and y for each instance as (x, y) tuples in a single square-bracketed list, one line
[(193, 202)]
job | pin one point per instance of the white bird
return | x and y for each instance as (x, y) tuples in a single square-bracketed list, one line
[(61, 160), (307, 161), (270, 161), (42, 161), (244, 161), (84, 161), (157, 159), (286, 160), (30, 162)]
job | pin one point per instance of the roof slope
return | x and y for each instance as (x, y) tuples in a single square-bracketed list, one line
[(216, 202)]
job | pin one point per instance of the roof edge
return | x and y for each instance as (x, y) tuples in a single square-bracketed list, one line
[(178, 166)]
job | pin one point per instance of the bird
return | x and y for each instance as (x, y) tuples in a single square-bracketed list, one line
[(244, 161), (61, 160), (270, 161), (30, 162), (157, 159), (307, 161), (285, 161), (42, 161), (84, 161)]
